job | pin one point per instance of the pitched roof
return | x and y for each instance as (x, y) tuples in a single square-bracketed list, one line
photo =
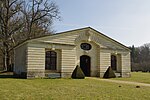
[(79, 30)]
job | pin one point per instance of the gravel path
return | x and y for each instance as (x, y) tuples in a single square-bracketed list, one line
[(122, 82)]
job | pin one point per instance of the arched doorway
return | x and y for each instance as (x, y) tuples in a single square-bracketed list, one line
[(113, 62), (50, 60), (85, 64)]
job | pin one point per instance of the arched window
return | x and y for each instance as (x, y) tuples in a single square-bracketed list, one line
[(50, 60), (113, 62)]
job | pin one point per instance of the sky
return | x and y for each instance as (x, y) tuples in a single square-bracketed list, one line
[(127, 21)]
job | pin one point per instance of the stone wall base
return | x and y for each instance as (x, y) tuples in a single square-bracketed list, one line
[(66, 74), (101, 74), (41, 74), (125, 74), (35, 73)]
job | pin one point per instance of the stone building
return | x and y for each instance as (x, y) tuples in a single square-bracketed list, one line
[(59, 54)]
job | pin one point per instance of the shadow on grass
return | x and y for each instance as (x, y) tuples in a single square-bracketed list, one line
[(10, 77)]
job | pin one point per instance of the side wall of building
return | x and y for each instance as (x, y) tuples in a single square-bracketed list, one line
[(20, 59)]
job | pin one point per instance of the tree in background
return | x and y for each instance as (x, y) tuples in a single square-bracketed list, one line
[(140, 58), (38, 17), (24, 19)]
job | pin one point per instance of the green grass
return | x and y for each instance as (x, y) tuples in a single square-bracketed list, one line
[(69, 89), (137, 77)]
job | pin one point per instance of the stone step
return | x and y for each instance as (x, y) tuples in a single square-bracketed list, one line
[(53, 75), (118, 74)]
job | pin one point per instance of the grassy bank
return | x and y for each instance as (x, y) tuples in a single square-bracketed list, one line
[(69, 89), (137, 77)]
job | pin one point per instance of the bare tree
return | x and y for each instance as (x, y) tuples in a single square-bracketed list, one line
[(24, 19), (9, 23), (38, 17)]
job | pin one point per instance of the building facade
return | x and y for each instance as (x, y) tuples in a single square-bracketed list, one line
[(60, 53)]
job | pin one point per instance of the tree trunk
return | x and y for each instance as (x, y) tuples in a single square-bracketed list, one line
[(6, 57)]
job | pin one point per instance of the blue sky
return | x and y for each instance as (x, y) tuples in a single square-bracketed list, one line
[(127, 21)]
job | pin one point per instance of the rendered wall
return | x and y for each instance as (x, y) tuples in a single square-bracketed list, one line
[(20, 59), (35, 62)]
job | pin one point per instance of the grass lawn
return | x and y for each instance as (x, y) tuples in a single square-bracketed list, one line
[(137, 77), (69, 89)]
